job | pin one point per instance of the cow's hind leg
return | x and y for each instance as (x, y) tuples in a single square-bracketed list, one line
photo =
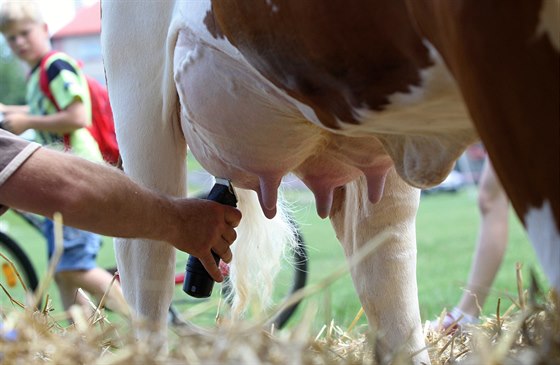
[(386, 279), (147, 267), (151, 143)]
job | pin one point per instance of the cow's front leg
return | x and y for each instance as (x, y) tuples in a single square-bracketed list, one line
[(386, 279), (151, 143)]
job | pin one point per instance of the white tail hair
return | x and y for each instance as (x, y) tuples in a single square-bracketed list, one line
[(257, 253)]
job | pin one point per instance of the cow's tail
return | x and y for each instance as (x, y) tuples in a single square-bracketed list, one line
[(258, 254)]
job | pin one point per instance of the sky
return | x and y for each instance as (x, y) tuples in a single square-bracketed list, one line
[(58, 13)]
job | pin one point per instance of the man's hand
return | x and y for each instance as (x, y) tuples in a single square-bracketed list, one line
[(206, 226)]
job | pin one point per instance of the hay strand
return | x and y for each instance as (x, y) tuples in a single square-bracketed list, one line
[(527, 333)]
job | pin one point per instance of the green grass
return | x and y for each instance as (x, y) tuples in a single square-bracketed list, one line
[(447, 226), (35, 246)]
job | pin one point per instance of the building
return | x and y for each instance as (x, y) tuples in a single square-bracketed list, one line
[(80, 38)]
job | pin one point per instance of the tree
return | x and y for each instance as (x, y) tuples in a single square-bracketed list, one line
[(12, 77)]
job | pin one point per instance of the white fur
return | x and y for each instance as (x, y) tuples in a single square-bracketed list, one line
[(549, 22), (257, 253), (544, 235)]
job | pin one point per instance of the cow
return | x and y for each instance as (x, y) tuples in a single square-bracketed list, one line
[(366, 102)]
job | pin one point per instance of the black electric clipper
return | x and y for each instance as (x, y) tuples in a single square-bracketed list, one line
[(198, 283)]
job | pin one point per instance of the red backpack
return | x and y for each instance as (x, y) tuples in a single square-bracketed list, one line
[(102, 126)]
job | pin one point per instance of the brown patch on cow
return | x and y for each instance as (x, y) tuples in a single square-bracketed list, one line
[(327, 54), (211, 25), (509, 78)]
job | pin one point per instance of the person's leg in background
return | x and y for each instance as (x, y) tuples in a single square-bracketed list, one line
[(95, 282), (492, 242), (77, 269)]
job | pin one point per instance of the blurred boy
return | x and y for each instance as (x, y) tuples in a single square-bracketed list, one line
[(27, 35)]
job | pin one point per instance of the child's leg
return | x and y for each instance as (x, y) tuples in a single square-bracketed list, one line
[(69, 293), (77, 269), (95, 282)]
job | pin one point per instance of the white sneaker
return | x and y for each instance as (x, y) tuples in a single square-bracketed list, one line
[(452, 321)]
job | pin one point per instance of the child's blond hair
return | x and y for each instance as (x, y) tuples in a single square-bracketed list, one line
[(19, 11)]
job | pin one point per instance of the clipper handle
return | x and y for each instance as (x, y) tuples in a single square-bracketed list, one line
[(198, 283)]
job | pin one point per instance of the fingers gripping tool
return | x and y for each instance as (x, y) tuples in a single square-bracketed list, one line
[(198, 283)]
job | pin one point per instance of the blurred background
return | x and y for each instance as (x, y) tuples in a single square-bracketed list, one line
[(74, 26)]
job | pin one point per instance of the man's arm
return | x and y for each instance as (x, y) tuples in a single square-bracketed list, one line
[(102, 199)]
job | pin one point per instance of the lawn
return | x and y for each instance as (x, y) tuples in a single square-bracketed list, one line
[(446, 228)]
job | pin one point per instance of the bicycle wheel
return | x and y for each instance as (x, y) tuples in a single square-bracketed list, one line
[(299, 278), (17, 275), (292, 278)]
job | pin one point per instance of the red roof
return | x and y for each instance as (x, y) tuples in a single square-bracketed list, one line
[(86, 22)]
